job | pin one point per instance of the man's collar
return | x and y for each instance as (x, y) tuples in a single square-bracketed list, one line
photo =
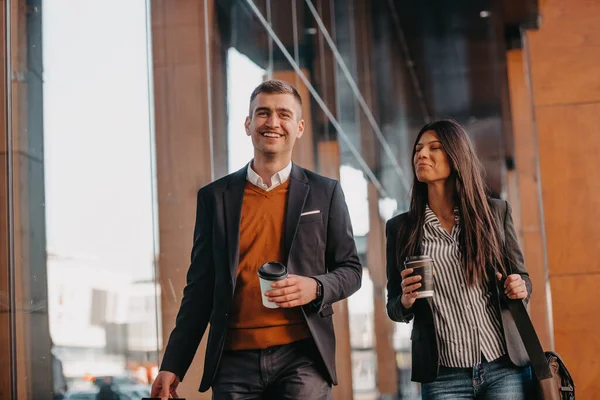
[(277, 179)]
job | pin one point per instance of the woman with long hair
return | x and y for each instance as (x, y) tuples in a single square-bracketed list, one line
[(464, 342)]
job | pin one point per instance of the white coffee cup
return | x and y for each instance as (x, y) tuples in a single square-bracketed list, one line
[(268, 273)]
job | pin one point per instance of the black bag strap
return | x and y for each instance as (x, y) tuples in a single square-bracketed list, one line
[(534, 349), (536, 354)]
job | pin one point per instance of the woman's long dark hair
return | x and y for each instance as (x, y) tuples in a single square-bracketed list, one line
[(479, 237)]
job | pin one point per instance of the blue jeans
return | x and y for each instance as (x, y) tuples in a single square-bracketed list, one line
[(496, 380)]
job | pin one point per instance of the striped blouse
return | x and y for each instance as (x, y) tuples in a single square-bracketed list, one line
[(466, 320)]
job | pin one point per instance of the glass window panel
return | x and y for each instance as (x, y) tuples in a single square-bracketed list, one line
[(87, 299), (248, 63), (243, 76)]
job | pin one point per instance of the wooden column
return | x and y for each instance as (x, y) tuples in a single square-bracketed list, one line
[(564, 61), (5, 230), (34, 368), (387, 377), (23, 291), (329, 162), (183, 100), (528, 195), (329, 165)]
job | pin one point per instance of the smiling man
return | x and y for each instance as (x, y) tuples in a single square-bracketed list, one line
[(270, 210)]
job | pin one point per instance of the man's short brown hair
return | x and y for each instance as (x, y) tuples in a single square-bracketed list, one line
[(275, 86)]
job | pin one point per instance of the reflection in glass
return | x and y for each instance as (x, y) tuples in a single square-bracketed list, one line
[(242, 77), (354, 185)]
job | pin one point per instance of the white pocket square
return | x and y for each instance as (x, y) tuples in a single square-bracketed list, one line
[(310, 212)]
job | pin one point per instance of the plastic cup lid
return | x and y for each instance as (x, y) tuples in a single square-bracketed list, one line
[(272, 270)]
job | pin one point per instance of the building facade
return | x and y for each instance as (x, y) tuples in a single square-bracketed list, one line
[(115, 113)]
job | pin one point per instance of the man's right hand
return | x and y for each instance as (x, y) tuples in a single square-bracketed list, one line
[(164, 385), (409, 287)]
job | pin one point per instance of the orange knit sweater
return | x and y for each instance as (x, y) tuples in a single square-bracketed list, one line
[(252, 325)]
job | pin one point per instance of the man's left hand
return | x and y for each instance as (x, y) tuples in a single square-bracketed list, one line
[(293, 291), (514, 286)]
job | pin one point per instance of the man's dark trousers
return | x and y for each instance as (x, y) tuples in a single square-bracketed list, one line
[(292, 371)]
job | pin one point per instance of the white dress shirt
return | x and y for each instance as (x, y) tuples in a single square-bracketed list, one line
[(276, 180)]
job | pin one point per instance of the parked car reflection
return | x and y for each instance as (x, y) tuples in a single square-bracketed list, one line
[(109, 387)]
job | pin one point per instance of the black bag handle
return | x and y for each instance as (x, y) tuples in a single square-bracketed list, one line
[(536, 354)]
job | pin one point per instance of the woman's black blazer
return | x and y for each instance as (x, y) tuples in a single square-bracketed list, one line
[(425, 356)]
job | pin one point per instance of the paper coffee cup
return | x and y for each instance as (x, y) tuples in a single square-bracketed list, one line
[(268, 273), (423, 266)]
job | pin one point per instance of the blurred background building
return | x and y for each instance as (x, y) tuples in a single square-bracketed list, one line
[(114, 113)]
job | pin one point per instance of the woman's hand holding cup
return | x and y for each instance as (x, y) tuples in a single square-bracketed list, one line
[(409, 286)]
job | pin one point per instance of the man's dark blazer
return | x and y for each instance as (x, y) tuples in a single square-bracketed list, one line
[(319, 245), (425, 357)]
